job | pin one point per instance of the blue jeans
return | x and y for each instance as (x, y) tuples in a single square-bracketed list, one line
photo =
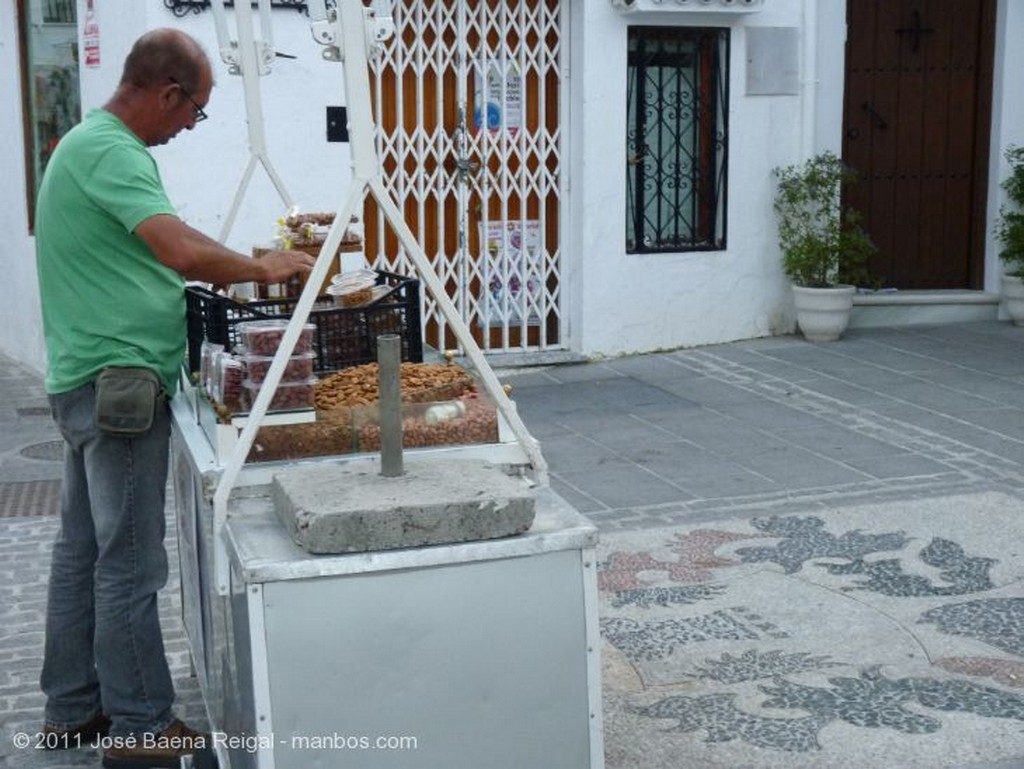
[(104, 646)]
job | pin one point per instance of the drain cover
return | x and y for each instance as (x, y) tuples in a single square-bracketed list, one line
[(50, 451), (29, 498), (33, 411)]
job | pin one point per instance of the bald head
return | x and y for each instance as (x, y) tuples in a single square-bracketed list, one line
[(167, 79), (164, 54)]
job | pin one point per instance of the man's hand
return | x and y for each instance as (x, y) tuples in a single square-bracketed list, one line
[(281, 265)]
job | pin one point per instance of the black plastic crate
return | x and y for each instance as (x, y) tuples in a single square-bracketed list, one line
[(344, 336)]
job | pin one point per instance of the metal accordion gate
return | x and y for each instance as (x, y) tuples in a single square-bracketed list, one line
[(470, 112)]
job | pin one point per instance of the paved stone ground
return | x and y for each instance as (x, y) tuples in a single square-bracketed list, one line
[(811, 554), (866, 636), (28, 461)]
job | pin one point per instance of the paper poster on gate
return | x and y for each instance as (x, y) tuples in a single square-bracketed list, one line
[(513, 273), (499, 100)]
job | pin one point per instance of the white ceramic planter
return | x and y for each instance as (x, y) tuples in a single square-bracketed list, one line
[(823, 313), (1013, 298)]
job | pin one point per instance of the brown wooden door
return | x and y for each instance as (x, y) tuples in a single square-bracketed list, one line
[(916, 125)]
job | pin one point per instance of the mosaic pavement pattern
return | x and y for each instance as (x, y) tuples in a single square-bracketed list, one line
[(776, 641)]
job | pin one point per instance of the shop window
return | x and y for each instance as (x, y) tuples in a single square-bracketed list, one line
[(49, 71), (676, 139)]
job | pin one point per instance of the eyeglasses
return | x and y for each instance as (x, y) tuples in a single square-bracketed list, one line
[(198, 115)]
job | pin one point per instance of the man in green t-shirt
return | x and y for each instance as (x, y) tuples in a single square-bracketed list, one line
[(112, 259)]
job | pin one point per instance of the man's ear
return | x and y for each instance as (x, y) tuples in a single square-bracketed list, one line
[(169, 96)]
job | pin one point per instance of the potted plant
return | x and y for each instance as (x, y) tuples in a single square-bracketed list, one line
[(1010, 232), (823, 247)]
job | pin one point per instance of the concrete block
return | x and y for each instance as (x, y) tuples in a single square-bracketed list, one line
[(351, 508)]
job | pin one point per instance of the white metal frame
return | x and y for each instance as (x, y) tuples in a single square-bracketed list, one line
[(262, 702), (248, 56), (491, 166), (351, 32)]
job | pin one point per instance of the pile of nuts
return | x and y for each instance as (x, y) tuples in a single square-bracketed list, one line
[(296, 220), (299, 368), (420, 383), (263, 337), (479, 425), (347, 414)]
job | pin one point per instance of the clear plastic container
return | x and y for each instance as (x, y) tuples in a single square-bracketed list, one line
[(353, 289), (263, 337), (207, 355), (299, 368), (230, 375), (289, 396)]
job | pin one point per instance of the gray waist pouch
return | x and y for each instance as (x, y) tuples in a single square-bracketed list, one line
[(127, 399)]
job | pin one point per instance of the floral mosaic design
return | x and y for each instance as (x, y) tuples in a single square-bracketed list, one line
[(873, 700), (676, 595), (998, 622), (682, 572), (718, 715), (806, 538), (753, 665), (694, 561), (870, 700), (659, 639), (961, 573)]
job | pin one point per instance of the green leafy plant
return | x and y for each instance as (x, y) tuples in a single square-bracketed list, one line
[(1010, 226), (822, 243)]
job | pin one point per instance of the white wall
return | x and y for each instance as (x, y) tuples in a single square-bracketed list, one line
[(636, 302), (202, 169), (1007, 121)]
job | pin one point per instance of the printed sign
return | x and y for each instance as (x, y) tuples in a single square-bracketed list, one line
[(513, 273), (91, 36), (499, 101)]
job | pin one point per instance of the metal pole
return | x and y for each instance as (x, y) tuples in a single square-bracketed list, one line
[(389, 358)]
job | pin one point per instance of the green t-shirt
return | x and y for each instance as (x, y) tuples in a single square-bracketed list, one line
[(106, 299)]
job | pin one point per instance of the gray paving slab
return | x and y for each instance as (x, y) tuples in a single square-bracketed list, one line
[(572, 451), (653, 369)]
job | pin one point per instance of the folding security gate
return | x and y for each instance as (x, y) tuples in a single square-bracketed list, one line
[(470, 108)]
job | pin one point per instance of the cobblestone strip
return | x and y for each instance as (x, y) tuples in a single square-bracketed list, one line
[(24, 572), (785, 503)]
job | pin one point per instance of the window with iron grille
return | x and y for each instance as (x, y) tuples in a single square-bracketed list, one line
[(676, 139)]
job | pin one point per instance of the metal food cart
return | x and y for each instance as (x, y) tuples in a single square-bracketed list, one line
[(468, 655), (472, 654)]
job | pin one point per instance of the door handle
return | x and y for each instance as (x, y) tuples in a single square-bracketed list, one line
[(875, 114)]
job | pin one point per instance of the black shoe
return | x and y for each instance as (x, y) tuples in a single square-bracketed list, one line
[(163, 750), (81, 736)]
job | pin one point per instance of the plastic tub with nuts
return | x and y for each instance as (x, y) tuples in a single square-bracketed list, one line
[(354, 289)]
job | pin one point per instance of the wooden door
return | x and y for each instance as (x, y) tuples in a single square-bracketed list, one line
[(470, 133), (916, 128)]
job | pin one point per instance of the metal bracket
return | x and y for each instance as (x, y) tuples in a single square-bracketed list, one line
[(378, 23), (182, 7)]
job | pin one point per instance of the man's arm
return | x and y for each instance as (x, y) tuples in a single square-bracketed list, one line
[(198, 257)]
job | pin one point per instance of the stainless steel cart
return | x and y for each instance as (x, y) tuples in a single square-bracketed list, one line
[(480, 654)]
